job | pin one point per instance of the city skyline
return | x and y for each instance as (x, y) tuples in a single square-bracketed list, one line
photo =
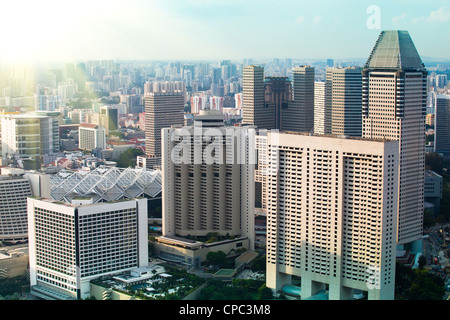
[(54, 31)]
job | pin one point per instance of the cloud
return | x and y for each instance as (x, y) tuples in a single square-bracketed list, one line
[(299, 20), (317, 19), (399, 18), (440, 15)]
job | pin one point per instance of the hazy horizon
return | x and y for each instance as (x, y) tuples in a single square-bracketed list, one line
[(55, 31)]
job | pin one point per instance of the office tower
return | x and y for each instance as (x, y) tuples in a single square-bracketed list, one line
[(331, 214), (109, 118), (299, 116), (433, 190), (344, 100), (394, 107), (275, 103), (277, 96), (29, 135), (319, 107), (91, 136), (14, 190), (208, 186), (442, 124), (330, 63), (161, 111), (72, 244), (441, 80), (254, 111)]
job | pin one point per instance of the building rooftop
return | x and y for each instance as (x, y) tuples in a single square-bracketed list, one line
[(394, 49), (88, 125), (333, 136)]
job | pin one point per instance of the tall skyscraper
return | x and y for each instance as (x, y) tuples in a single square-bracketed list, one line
[(162, 110), (72, 244), (208, 187), (277, 96), (299, 115), (442, 121), (319, 107), (254, 111), (276, 102), (344, 101), (394, 107), (331, 214)]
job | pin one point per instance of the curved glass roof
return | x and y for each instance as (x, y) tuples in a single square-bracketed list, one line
[(105, 184)]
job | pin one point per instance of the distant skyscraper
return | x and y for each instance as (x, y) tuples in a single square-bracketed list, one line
[(441, 80), (254, 111), (442, 124), (319, 107), (162, 110), (331, 214), (299, 116), (109, 118), (278, 95), (344, 101), (276, 102), (394, 107)]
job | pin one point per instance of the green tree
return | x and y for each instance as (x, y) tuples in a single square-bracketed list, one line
[(425, 286), (422, 261), (128, 158), (264, 293), (217, 258), (434, 161)]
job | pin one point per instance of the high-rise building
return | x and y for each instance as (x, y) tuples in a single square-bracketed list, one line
[(72, 244), (254, 111), (319, 107), (442, 121), (276, 102), (91, 136), (162, 110), (331, 214), (344, 101), (208, 186), (277, 96), (299, 116), (14, 190), (109, 118), (441, 80), (394, 107), (29, 135)]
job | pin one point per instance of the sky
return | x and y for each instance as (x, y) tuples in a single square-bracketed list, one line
[(66, 31)]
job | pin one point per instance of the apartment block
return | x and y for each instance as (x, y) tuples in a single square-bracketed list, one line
[(91, 136), (331, 214), (208, 181)]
